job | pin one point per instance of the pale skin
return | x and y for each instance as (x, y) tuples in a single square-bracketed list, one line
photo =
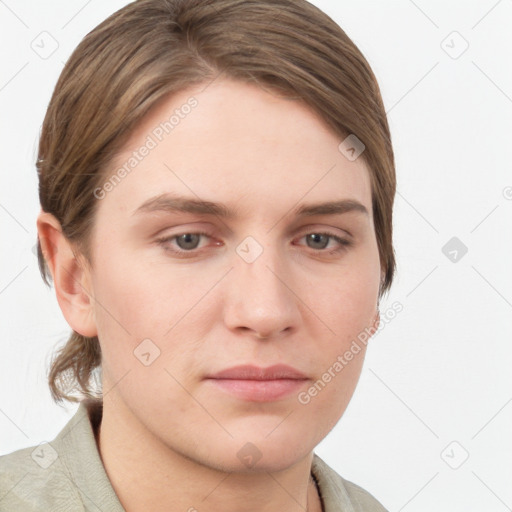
[(169, 439)]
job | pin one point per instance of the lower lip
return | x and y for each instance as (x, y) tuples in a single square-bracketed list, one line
[(259, 390)]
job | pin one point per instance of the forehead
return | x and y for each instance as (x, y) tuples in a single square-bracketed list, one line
[(238, 144)]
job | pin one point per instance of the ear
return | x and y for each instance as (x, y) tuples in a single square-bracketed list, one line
[(71, 277)]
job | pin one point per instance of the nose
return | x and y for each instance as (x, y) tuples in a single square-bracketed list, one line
[(260, 299)]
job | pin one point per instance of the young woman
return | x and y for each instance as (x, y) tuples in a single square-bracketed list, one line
[(216, 187)]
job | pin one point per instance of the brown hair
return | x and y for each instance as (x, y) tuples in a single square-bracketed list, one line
[(151, 48)]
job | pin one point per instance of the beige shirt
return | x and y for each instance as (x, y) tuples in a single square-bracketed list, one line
[(67, 475)]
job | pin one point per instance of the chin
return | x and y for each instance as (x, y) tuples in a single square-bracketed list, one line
[(274, 462), (253, 453)]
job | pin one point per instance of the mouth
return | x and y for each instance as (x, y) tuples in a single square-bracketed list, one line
[(255, 384)]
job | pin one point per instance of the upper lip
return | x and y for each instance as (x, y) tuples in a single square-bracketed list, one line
[(250, 372)]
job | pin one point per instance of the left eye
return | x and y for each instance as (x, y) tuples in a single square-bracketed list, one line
[(320, 240), (188, 241)]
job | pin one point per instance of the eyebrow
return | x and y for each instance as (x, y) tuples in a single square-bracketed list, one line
[(181, 204)]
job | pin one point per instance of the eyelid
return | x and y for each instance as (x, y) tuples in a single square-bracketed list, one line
[(200, 233), (325, 229)]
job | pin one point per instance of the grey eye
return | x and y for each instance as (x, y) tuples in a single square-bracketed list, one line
[(188, 241), (319, 240)]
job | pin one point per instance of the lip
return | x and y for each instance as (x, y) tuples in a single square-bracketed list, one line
[(256, 384), (250, 372)]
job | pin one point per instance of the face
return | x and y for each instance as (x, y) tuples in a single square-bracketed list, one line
[(184, 290)]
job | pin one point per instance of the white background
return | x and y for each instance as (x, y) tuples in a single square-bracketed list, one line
[(440, 371)]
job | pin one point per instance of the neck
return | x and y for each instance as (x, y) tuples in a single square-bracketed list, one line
[(149, 475)]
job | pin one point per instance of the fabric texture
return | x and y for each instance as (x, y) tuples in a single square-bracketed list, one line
[(67, 475)]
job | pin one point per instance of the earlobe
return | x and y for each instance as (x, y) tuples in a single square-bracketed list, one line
[(71, 277)]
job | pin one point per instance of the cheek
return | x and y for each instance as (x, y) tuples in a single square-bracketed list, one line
[(130, 307), (135, 291), (347, 305), (139, 301), (347, 302)]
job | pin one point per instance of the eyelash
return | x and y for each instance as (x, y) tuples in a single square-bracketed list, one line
[(181, 253)]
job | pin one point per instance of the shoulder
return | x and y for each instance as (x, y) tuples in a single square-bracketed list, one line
[(33, 479), (362, 498), (63, 475), (339, 494)]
